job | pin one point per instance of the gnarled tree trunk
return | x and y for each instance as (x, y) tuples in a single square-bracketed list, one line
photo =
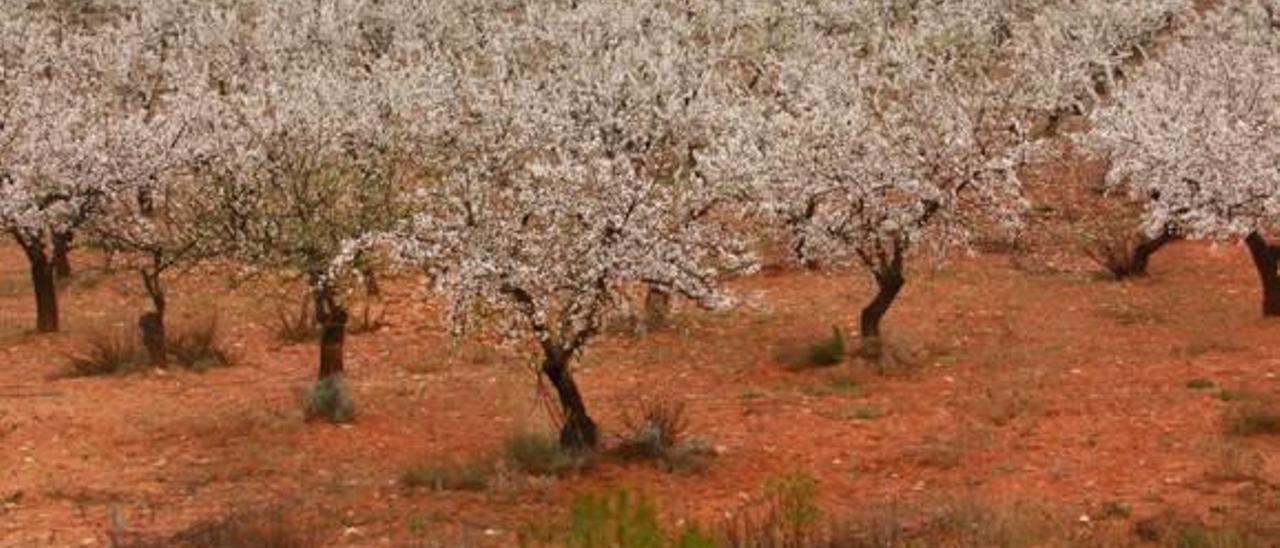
[(43, 283), (889, 283), (1145, 249), (579, 431), (1265, 258)]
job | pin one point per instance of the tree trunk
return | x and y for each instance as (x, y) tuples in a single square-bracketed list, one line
[(61, 255), (151, 325), (333, 335), (43, 283), (1145, 249), (889, 282), (579, 431), (1265, 258), (46, 288), (657, 307)]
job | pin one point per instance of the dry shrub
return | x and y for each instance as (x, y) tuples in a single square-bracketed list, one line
[(197, 344), (258, 529), (109, 352), (296, 327), (1254, 416), (539, 455), (464, 476), (656, 430)]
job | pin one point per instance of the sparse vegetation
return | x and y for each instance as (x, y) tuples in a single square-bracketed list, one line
[(464, 476), (295, 327), (1200, 384), (109, 352), (197, 344), (540, 455), (1255, 416), (615, 520), (827, 352), (328, 400), (257, 529)]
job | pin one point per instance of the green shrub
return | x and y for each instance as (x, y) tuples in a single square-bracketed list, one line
[(470, 476), (538, 454), (328, 400), (827, 352), (617, 520)]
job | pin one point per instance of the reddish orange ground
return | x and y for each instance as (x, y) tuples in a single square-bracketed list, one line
[(1058, 389)]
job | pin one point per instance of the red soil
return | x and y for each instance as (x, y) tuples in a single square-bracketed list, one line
[(1058, 389)]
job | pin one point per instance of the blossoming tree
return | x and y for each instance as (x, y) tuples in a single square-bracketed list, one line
[(877, 132), (573, 174), (1195, 132), (317, 104)]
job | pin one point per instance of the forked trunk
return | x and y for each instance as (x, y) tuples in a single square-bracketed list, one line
[(579, 431), (1265, 258), (889, 284), (1145, 249), (62, 254)]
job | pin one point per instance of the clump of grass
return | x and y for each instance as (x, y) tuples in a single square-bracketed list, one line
[(270, 529), (197, 345), (1229, 395), (867, 413), (1168, 529), (110, 352), (1254, 420), (539, 455), (467, 476), (828, 351), (1200, 384), (120, 351), (328, 400)]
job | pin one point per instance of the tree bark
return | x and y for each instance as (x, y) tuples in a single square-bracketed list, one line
[(151, 324), (1265, 258), (657, 307), (44, 283), (1145, 249), (333, 334), (579, 431), (890, 283), (61, 254)]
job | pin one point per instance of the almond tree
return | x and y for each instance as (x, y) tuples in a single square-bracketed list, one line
[(57, 138), (1195, 132), (880, 132), (318, 102), (573, 172)]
